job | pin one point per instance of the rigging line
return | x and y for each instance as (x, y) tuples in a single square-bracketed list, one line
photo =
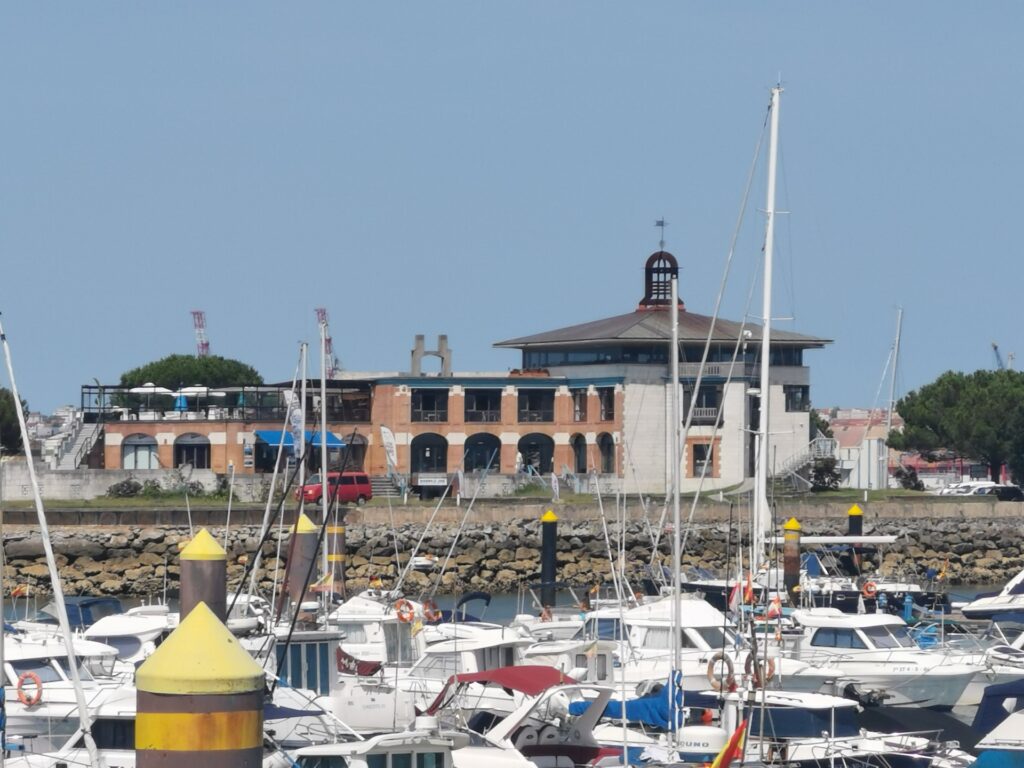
[(718, 303), (789, 234), (423, 535), (465, 519)]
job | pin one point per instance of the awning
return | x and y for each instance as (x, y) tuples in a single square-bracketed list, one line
[(529, 679), (277, 436)]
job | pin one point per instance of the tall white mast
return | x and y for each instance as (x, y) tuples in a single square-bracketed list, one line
[(84, 717), (326, 499), (762, 513), (300, 449), (677, 542), (892, 381)]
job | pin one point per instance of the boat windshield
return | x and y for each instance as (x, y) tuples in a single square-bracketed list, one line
[(601, 629), (322, 761), (889, 637)]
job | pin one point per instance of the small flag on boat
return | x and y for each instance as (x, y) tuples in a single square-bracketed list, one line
[(748, 593), (733, 748), (20, 591)]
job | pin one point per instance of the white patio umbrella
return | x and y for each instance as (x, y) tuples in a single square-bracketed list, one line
[(149, 389)]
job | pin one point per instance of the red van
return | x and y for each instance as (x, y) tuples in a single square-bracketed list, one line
[(348, 486)]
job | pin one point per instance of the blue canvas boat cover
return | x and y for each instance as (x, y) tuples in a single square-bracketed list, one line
[(991, 711)]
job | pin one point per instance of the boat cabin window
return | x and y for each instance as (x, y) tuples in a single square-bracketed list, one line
[(601, 629), (126, 645), (354, 633), (715, 637), (377, 761), (308, 665), (660, 639), (836, 637), (894, 636), (42, 667), (495, 657), (398, 642), (328, 761), (600, 664), (430, 760), (436, 666), (111, 733)]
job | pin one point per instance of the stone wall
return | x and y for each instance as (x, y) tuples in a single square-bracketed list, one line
[(495, 556)]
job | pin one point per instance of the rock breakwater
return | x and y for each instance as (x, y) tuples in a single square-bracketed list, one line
[(497, 557)]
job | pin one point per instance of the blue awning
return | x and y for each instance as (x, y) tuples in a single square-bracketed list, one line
[(274, 437)]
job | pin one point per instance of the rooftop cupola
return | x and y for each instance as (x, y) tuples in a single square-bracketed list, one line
[(661, 267)]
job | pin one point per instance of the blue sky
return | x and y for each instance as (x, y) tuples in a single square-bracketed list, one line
[(489, 170)]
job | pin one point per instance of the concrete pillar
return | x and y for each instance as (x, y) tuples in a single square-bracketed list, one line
[(204, 576), (199, 700)]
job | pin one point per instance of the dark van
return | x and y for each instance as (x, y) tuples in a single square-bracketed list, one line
[(348, 487)]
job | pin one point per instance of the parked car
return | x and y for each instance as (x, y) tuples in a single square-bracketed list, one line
[(1002, 492), (349, 487)]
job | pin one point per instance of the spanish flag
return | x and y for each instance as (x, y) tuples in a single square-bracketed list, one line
[(733, 748)]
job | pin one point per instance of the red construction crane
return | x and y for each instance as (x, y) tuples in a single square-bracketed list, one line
[(202, 343)]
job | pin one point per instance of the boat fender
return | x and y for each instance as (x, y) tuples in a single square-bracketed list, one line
[(759, 672), (717, 682), (37, 695), (404, 610)]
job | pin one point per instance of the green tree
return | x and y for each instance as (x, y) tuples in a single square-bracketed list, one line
[(819, 424), (977, 415), (176, 371), (10, 431)]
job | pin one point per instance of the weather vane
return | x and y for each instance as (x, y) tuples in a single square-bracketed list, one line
[(660, 223)]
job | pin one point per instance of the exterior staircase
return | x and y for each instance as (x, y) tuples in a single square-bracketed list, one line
[(820, 447), (77, 445), (383, 486)]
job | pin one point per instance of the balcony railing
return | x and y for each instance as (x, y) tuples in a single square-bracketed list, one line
[(541, 415), (484, 415), (430, 414), (719, 370)]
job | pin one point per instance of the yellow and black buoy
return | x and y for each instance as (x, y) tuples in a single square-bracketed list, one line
[(204, 574), (199, 700)]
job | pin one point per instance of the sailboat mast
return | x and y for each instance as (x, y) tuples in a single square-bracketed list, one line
[(892, 380), (323, 447), (84, 717), (677, 542), (762, 515), (300, 448)]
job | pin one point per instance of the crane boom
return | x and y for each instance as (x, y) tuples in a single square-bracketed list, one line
[(999, 358)]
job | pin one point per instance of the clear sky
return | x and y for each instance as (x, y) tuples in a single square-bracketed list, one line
[(490, 170)]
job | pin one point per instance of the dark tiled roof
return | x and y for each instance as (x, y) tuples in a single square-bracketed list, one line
[(654, 325)]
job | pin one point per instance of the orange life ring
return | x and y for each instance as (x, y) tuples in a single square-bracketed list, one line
[(713, 678), (869, 589), (430, 611), (405, 611), (758, 672), (24, 698)]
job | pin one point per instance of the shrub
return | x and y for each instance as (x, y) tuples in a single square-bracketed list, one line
[(125, 489)]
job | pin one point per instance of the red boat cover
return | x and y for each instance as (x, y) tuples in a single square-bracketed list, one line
[(531, 680)]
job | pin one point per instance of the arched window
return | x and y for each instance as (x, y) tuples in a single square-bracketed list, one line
[(480, 449), (606, 447), (428, 453), (353, 455), (579, 454), (192, 449), (537, 451), (139, 452)]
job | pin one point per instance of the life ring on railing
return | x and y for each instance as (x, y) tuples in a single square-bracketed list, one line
[(405, 611), (758, 672), (430, 611), (869, 589), (35, 698), (714, 679)]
